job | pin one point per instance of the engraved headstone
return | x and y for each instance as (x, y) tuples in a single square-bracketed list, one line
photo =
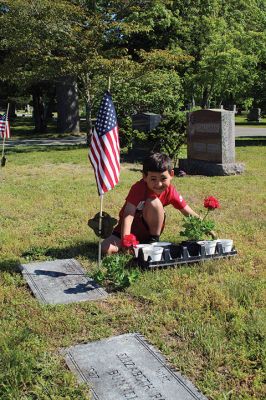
[(126, 367), (60, 282), (145, 122), (211, 143), (254, 115)]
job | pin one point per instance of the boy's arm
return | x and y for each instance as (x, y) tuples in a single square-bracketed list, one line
[(188, 211), (129, 213)]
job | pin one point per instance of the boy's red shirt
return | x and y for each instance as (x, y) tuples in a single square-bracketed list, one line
[(140, 192)]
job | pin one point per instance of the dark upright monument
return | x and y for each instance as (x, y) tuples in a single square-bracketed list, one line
[(254, 115), (145, 122), (211, 144)]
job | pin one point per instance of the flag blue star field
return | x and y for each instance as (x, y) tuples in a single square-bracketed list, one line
[(104, 152), (4, 126)]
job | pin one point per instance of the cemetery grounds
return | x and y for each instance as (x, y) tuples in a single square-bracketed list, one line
[(207, 319)]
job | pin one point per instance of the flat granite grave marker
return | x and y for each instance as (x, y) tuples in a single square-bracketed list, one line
[(126, 367), (60, 282)]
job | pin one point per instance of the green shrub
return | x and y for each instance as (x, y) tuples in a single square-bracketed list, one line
[(170, 134), (113, 271), (127, 135)]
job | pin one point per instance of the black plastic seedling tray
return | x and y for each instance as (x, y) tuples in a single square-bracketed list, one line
[(183, 253)]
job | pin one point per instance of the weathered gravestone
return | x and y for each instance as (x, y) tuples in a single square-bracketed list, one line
[(126, 367), (60, 282), (211, 144), (145, 122), (254, 115)]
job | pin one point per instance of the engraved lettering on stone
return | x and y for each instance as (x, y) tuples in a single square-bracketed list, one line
[(92, 373), (140, 377), (161, 372), (199, 147), (205, 128), (128, 369), (121, 383), (213, 148)]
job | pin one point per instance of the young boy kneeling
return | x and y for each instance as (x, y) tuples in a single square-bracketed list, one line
[(143, 212)]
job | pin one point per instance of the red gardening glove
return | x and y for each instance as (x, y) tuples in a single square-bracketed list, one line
[(129, 241)]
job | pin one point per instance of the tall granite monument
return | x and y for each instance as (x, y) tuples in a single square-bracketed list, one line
[(211, 143)]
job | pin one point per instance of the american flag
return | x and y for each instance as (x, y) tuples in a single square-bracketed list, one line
[(104, 151), (4, 126)]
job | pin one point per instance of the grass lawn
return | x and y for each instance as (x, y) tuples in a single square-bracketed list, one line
[(207, 319)]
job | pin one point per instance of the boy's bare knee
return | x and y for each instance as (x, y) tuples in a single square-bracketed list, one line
[(154, 203), (110, 250), (153, 214), (153, 206), (110, 245)]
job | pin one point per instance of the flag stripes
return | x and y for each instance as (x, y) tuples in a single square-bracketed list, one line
[(104, 150)]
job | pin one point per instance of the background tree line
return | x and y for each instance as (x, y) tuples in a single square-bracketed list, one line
[(162, 56)]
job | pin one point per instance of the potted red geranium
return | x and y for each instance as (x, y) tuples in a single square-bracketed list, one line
[(199, 229)]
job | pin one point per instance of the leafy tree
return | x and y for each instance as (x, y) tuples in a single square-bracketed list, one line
[(86, 40), (34, 51), (226, 40), (158, 53)]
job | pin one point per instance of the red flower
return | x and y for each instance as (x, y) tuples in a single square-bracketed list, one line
[(129, 240), (211, 203)]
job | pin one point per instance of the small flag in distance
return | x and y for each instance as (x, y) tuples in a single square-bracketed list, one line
[(4, 127)]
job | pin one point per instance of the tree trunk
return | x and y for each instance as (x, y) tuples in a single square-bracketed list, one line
[(205, 98), (88, 122), (67, 105), (50, 106), (38, 112), (12, 109), (86, 94)]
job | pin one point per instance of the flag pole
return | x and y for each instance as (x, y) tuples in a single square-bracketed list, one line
[(4, 139), (100, 231), (104, 155), (101, 206)]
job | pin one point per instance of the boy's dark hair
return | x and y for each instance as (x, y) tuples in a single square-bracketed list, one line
[(157, 162)]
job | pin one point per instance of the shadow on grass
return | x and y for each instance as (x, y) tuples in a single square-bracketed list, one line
[(251, 123), (139, 170), (131, 158), (251, 141), (44, 148), (139, 151), (87, 249), (9, 265), (24, 127)]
